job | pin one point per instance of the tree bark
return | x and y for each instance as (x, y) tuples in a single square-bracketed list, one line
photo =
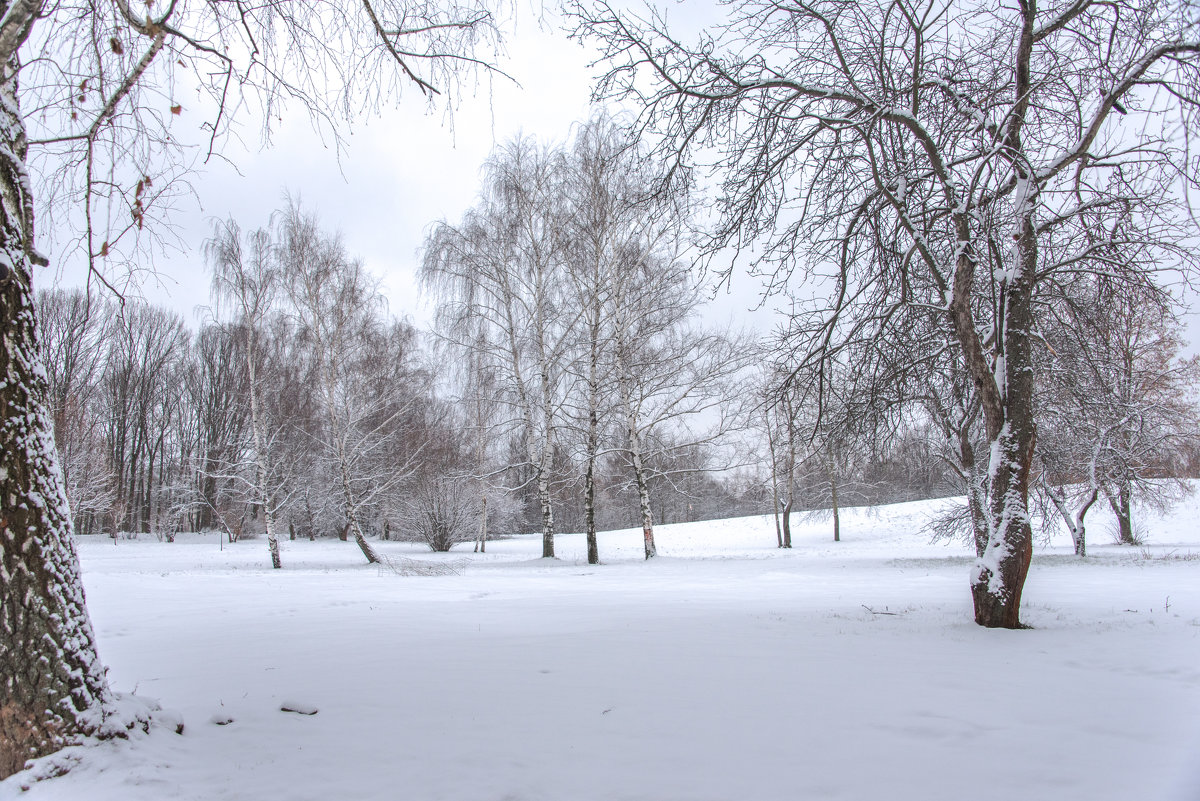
[(787, 523), (999, 575), (774, 488), (589, 491), (1121, 507), (543, 484), (593, 434), (52, 686)]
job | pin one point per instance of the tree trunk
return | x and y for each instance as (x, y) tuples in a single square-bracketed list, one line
[(999, 575), (593, 440), (481, 545), (639, 474), (547, 509), (1075, 524), (774, 480), (787, 523), (1120, 504), (837, 520), (589, 504), (976, 507), (52, 686), (262, 470)]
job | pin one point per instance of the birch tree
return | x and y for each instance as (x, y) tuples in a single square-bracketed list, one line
[(246, 276), (336, 304), (499, 276), (974, 136)]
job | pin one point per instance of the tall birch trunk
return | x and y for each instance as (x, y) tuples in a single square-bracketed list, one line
[(589, 491), (593, 437), (639, 469), (481, 543), (261, 469), (774, 479)]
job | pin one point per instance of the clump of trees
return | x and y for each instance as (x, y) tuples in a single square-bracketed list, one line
[(566, 288), (300, 408)]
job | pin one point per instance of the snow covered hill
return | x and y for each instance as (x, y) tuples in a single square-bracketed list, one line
[(725, 669)]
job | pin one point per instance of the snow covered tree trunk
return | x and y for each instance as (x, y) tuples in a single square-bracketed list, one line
[(262, 473), (635, 451), (977, 505), (639, 473), (787, 523), (339, 431), (789, 412), (1075, 524), (52, 686), (999, 574), (547, 413)]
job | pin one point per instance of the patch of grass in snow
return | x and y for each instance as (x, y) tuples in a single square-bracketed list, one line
[(1147, 555)]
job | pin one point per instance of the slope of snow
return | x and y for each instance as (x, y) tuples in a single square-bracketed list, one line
[(725, 669)]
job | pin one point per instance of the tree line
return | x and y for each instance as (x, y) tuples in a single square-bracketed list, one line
[(570, 383), (301, 408)]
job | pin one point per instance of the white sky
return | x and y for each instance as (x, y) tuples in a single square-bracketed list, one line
[(399, 172)]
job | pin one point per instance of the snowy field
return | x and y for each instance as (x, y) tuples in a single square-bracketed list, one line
[(726, 669)]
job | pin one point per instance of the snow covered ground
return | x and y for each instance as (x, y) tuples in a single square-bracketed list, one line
[(726, 669)]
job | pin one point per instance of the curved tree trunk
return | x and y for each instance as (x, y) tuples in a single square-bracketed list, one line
[(52, 685)]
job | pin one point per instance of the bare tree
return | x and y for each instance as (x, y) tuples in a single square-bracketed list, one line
[(1119, 403), (73, 325), (146, 350), (249, 281), (89, 86), (617, 224), (217, 387), (336, 305), (973, 136), (499, 276)]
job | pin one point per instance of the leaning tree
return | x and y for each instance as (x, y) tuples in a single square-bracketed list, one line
[(92, 97), (967, 135)]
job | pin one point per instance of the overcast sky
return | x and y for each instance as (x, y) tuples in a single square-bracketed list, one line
[(398, 173)]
